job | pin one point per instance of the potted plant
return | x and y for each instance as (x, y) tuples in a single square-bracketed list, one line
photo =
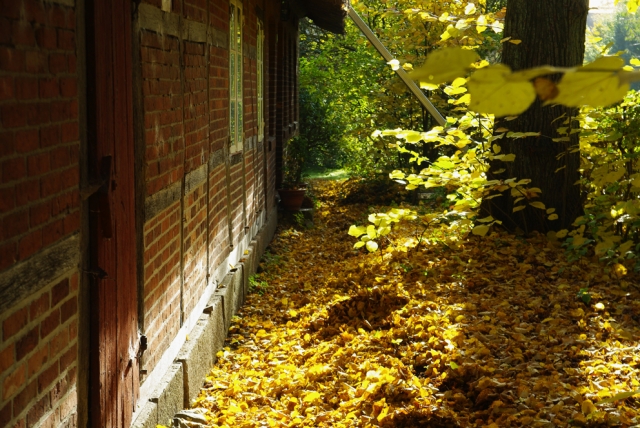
[(293, 189)]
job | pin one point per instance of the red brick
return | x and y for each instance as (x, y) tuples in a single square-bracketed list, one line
[(59, 292), (7, 199), (59, 157), (50, 136), (70, 177), (58, 343), (7, 358), (6, 87), (58, 63), (72, 62), (14, 381), (68, 309), (69, 87), (37, 360), (52, 233), (69, 357), (66, 40), (70, 132), (39, 306), (16, 322), (35, 62), (62, 110), (11, 59), (35, 11), (22, 34), (29, 244), (15, 223), (62, 204), (49, 87), (26, 88), (10, 8), (39, 114), (37, 411), (50, 323), (7, 143), (25, 397), (27, 191), (39, 214), (38, 164), (13, 169), (7, 255), (73, 330), (5, 415), (72, 222), (14, 116), (27, 140), (27, 343), (47, 37)]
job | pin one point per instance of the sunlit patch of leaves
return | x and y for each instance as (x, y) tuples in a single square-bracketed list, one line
[(477, 332)]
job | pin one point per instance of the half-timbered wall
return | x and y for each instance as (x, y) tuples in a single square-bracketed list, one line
[(199, 202)]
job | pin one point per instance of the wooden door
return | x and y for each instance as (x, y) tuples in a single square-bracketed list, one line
[(114, 372)]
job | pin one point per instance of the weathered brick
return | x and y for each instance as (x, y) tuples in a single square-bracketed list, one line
[(38, 410), (15, 224), (25, 397), (48, 376), (7, 199), (11, 59), (39, 164), (29, 244), (6, 87), (27, 343), (47, 37), (14, 381), (39, 306), (27, 140), (58, 63), (5, 415), (14, 323), (39, 214), (26, 88), (14, 116), (50, 136), (27, 191), (49, 87), (13, 169), (22, 34), (68, 87), (7, 358), (68, 358), (59, 292), (50, 323), (66, 40), (37, 361), (68, 309)]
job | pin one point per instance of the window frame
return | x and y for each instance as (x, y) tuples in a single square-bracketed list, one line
[(236, 76)]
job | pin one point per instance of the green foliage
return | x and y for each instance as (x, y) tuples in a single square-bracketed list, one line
[(257, 285), (611, 182)]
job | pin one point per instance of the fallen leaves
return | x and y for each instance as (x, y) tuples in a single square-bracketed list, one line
[(485, 333)]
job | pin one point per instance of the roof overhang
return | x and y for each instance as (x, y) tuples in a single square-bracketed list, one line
[(326, 14)]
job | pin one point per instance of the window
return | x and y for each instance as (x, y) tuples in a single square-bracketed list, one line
[(236, 120), (259, 65)]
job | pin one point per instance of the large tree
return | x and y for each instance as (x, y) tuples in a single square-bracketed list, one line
[(552, 33)]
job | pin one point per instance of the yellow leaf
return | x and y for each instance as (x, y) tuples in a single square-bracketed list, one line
[(588, 407), (596, 84), (480, 230), (538, 204), (481, 24), (311, 397), (561, 233), (357, 230), (470, 9), (444, 65), (519, 208), (620, 396), (553, 217), (515, 42), (493, 92), (619, 270), (372, 246)]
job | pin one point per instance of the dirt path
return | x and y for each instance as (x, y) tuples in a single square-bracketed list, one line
[(488, 332)]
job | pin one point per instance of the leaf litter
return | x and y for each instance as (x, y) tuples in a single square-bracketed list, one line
[(489, 332)]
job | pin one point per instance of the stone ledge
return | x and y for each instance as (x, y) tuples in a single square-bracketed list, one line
[(197, 357), (183, 381)]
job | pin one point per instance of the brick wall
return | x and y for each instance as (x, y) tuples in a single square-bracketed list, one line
[(39, 208), (189, 172)]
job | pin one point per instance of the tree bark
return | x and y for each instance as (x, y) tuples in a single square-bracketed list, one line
[(552, 33)]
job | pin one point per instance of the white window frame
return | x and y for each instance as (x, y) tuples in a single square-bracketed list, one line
[(236, 76)]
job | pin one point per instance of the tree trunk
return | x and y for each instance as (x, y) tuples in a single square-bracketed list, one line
[(552, 33)]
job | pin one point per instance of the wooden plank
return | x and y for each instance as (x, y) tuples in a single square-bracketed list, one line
[(114, 367)]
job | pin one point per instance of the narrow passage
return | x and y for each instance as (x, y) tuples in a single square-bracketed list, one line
[(500, 331)]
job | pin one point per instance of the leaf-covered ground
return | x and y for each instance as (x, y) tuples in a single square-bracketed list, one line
[(488, 333)]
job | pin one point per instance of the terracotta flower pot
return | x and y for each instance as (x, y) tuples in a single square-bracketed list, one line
[(291, 198)]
